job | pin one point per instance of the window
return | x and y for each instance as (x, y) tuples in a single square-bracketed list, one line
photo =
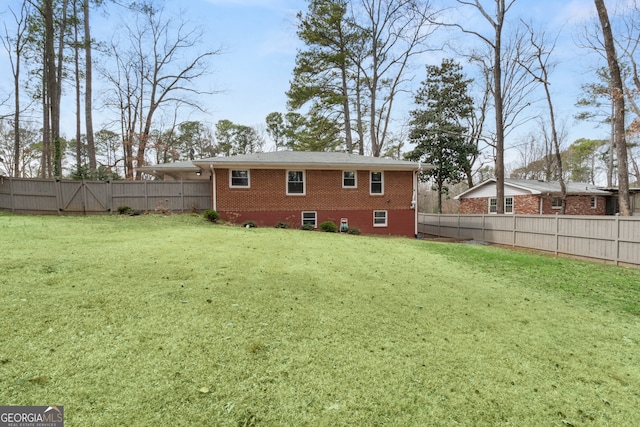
[(493, 205), (556, 202), (594, 203), (310, 218), (379, 218), (508, 205), (239, 178), (377, 182), (295, 182), (349, 179)]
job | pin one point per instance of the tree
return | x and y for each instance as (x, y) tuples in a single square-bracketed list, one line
[(495, 64), (159, 68), (15, 46), (234, 139), (323, 72), (438, 128), (311, 133), (540, 73), (584, 157), (619, 127), (358, 52), (275, 128), (396, 31)]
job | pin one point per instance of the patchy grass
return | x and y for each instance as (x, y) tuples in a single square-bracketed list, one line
[(156, 320)]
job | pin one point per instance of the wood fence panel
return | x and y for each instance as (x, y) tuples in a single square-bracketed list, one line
[(610, 238), (55, 196)]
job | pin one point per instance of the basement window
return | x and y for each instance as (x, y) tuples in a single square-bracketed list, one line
[(310, 218), (379, 218)]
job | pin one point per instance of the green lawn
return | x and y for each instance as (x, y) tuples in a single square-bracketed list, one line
[(153, 320)]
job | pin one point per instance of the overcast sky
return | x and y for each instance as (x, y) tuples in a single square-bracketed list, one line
[(259, 41)]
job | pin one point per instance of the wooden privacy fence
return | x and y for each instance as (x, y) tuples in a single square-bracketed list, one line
[(614, 239), (46, 196)]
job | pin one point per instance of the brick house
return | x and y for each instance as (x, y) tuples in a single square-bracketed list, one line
[(375, 195), (532, 197)]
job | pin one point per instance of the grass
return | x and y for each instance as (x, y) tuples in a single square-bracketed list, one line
[(156, 320)]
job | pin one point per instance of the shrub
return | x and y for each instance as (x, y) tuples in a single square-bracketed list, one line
[(124, 210), (281, 224), (353, 230), (308, 227), (329, 226), (249, 224), (211, 215)]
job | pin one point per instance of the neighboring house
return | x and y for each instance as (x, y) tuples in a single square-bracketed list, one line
[(532, 197), (375, 195)]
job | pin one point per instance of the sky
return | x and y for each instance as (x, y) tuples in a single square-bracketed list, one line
[(259, 45)]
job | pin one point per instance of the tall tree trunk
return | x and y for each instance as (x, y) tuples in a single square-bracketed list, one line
[(618, 98), (499, 111), (49, 95), (76, 63), (88, 101)]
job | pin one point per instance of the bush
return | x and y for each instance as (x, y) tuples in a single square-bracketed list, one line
[(281, 224), (329, 226), (353, 230), (211, 215), (249, 224), (126, 210), (308, 227)]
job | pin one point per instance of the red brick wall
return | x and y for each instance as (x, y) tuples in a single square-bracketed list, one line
[(530, 205), (266, 201)]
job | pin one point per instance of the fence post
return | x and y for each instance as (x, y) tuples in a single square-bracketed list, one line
[(557, 236), (58, 195), (13, 200), (617, 239)]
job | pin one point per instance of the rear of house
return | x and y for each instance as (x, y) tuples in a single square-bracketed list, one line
[(374, 195)]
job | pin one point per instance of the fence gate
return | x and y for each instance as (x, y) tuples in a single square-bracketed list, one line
[(81, 196)]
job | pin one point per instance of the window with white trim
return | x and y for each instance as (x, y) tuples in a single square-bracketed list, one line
[(493, 205), (556, 203), (239, 178), (310, 218), (594, 203), (508, 205), (379, 218), (377, 183), (295, 182), (349, 179)]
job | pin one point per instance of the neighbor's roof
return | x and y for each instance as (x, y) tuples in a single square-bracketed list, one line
[(308, 160), (541, 187), (173, 169)]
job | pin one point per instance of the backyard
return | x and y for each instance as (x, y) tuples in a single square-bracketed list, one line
[(171, 320)]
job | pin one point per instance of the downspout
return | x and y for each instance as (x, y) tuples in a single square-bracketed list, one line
[(213, 188)]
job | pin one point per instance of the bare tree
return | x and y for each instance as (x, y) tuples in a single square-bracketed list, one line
[(502, 68), (88, 87), (15, 46), (618, 88), (397, 31), (155, 70), (542, 53)]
